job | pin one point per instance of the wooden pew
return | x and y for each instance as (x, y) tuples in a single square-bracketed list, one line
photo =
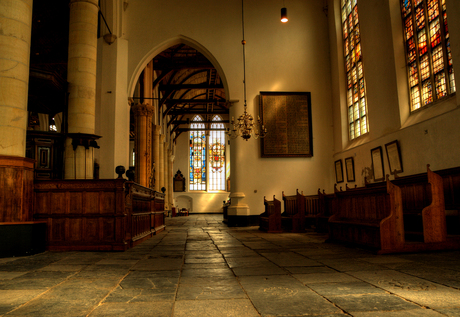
[(327, 204), (312, 209), (423, 206), (293, 217), (270, 220), (451, 184), (370, 217)]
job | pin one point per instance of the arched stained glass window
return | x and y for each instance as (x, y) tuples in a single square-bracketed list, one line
[(197, 155), (429, 61), (356, 85), (217, 155)]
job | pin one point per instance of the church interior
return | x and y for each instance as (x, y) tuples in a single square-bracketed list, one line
[(119, 149)]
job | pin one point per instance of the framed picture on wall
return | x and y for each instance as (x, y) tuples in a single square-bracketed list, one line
[(338, 171), (350, 168), (377, 164), (394, 157)]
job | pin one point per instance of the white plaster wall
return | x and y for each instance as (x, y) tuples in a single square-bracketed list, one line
[(279, 57), (430, 136)]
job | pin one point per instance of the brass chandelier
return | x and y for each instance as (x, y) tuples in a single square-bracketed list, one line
[(245, 126)]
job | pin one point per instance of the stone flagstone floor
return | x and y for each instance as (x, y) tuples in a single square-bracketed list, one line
[(200, 267)]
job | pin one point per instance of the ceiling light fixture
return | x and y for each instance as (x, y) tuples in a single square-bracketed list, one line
[(245, 127), (284, 17)]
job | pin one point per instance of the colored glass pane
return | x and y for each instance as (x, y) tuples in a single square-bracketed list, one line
[(452, 80), (425, 67), (355, 15), (354, 75), (420, 17), (433, 9), (438, 60), (358, 128), (364, 125), (411, 54), (413, 76), (435, 33), (415, 97), (356, 111), (406, 7), (441, 85), (409, 28), (421, 36), (427, 93), (362, 107)]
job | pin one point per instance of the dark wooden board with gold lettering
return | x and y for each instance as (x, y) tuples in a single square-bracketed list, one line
[(287, 117)]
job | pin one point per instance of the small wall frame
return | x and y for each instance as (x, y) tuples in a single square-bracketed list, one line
[(377, 164), (350, 168), (179, 182), (394, 157), (338, 171)]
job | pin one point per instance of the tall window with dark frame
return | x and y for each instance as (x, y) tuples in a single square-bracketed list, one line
[(197, 158), (207, 155), (217, 155), (356, 85), (428, 56)]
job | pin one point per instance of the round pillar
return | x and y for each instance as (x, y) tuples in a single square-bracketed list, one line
[(15, 27), (81, 76), (143, 114)]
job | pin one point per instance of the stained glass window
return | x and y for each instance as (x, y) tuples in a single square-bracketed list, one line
[(197, 155), (356, 86), (207, 155), (428, 56), (217, 155)]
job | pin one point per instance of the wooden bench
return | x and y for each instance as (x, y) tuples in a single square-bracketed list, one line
[(312, 209), (423, 206), (293, 217), (451, 184), (326, 210), (270, 220), (370, 217)]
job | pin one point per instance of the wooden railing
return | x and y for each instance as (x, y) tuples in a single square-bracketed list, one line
[(97, 214)]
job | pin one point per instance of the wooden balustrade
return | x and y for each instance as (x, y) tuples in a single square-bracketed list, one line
[(111, 215)]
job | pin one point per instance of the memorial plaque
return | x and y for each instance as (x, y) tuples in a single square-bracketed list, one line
[(287, 117)]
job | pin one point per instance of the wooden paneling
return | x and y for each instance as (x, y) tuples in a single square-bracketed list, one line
[(16, 189), (97, 214)]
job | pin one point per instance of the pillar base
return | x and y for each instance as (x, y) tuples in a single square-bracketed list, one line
[(238, 214)]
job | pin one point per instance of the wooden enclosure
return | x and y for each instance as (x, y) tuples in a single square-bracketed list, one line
[(111, 215)]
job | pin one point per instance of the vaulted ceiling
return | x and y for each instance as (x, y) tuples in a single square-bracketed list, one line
[(188, 85)]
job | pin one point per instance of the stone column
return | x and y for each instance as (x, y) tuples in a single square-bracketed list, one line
[(161, 161), (156, 157), (170, 178), (15, 29), (81, 76), (238, 211), (143, 166), (166, 171), (16, 171)]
